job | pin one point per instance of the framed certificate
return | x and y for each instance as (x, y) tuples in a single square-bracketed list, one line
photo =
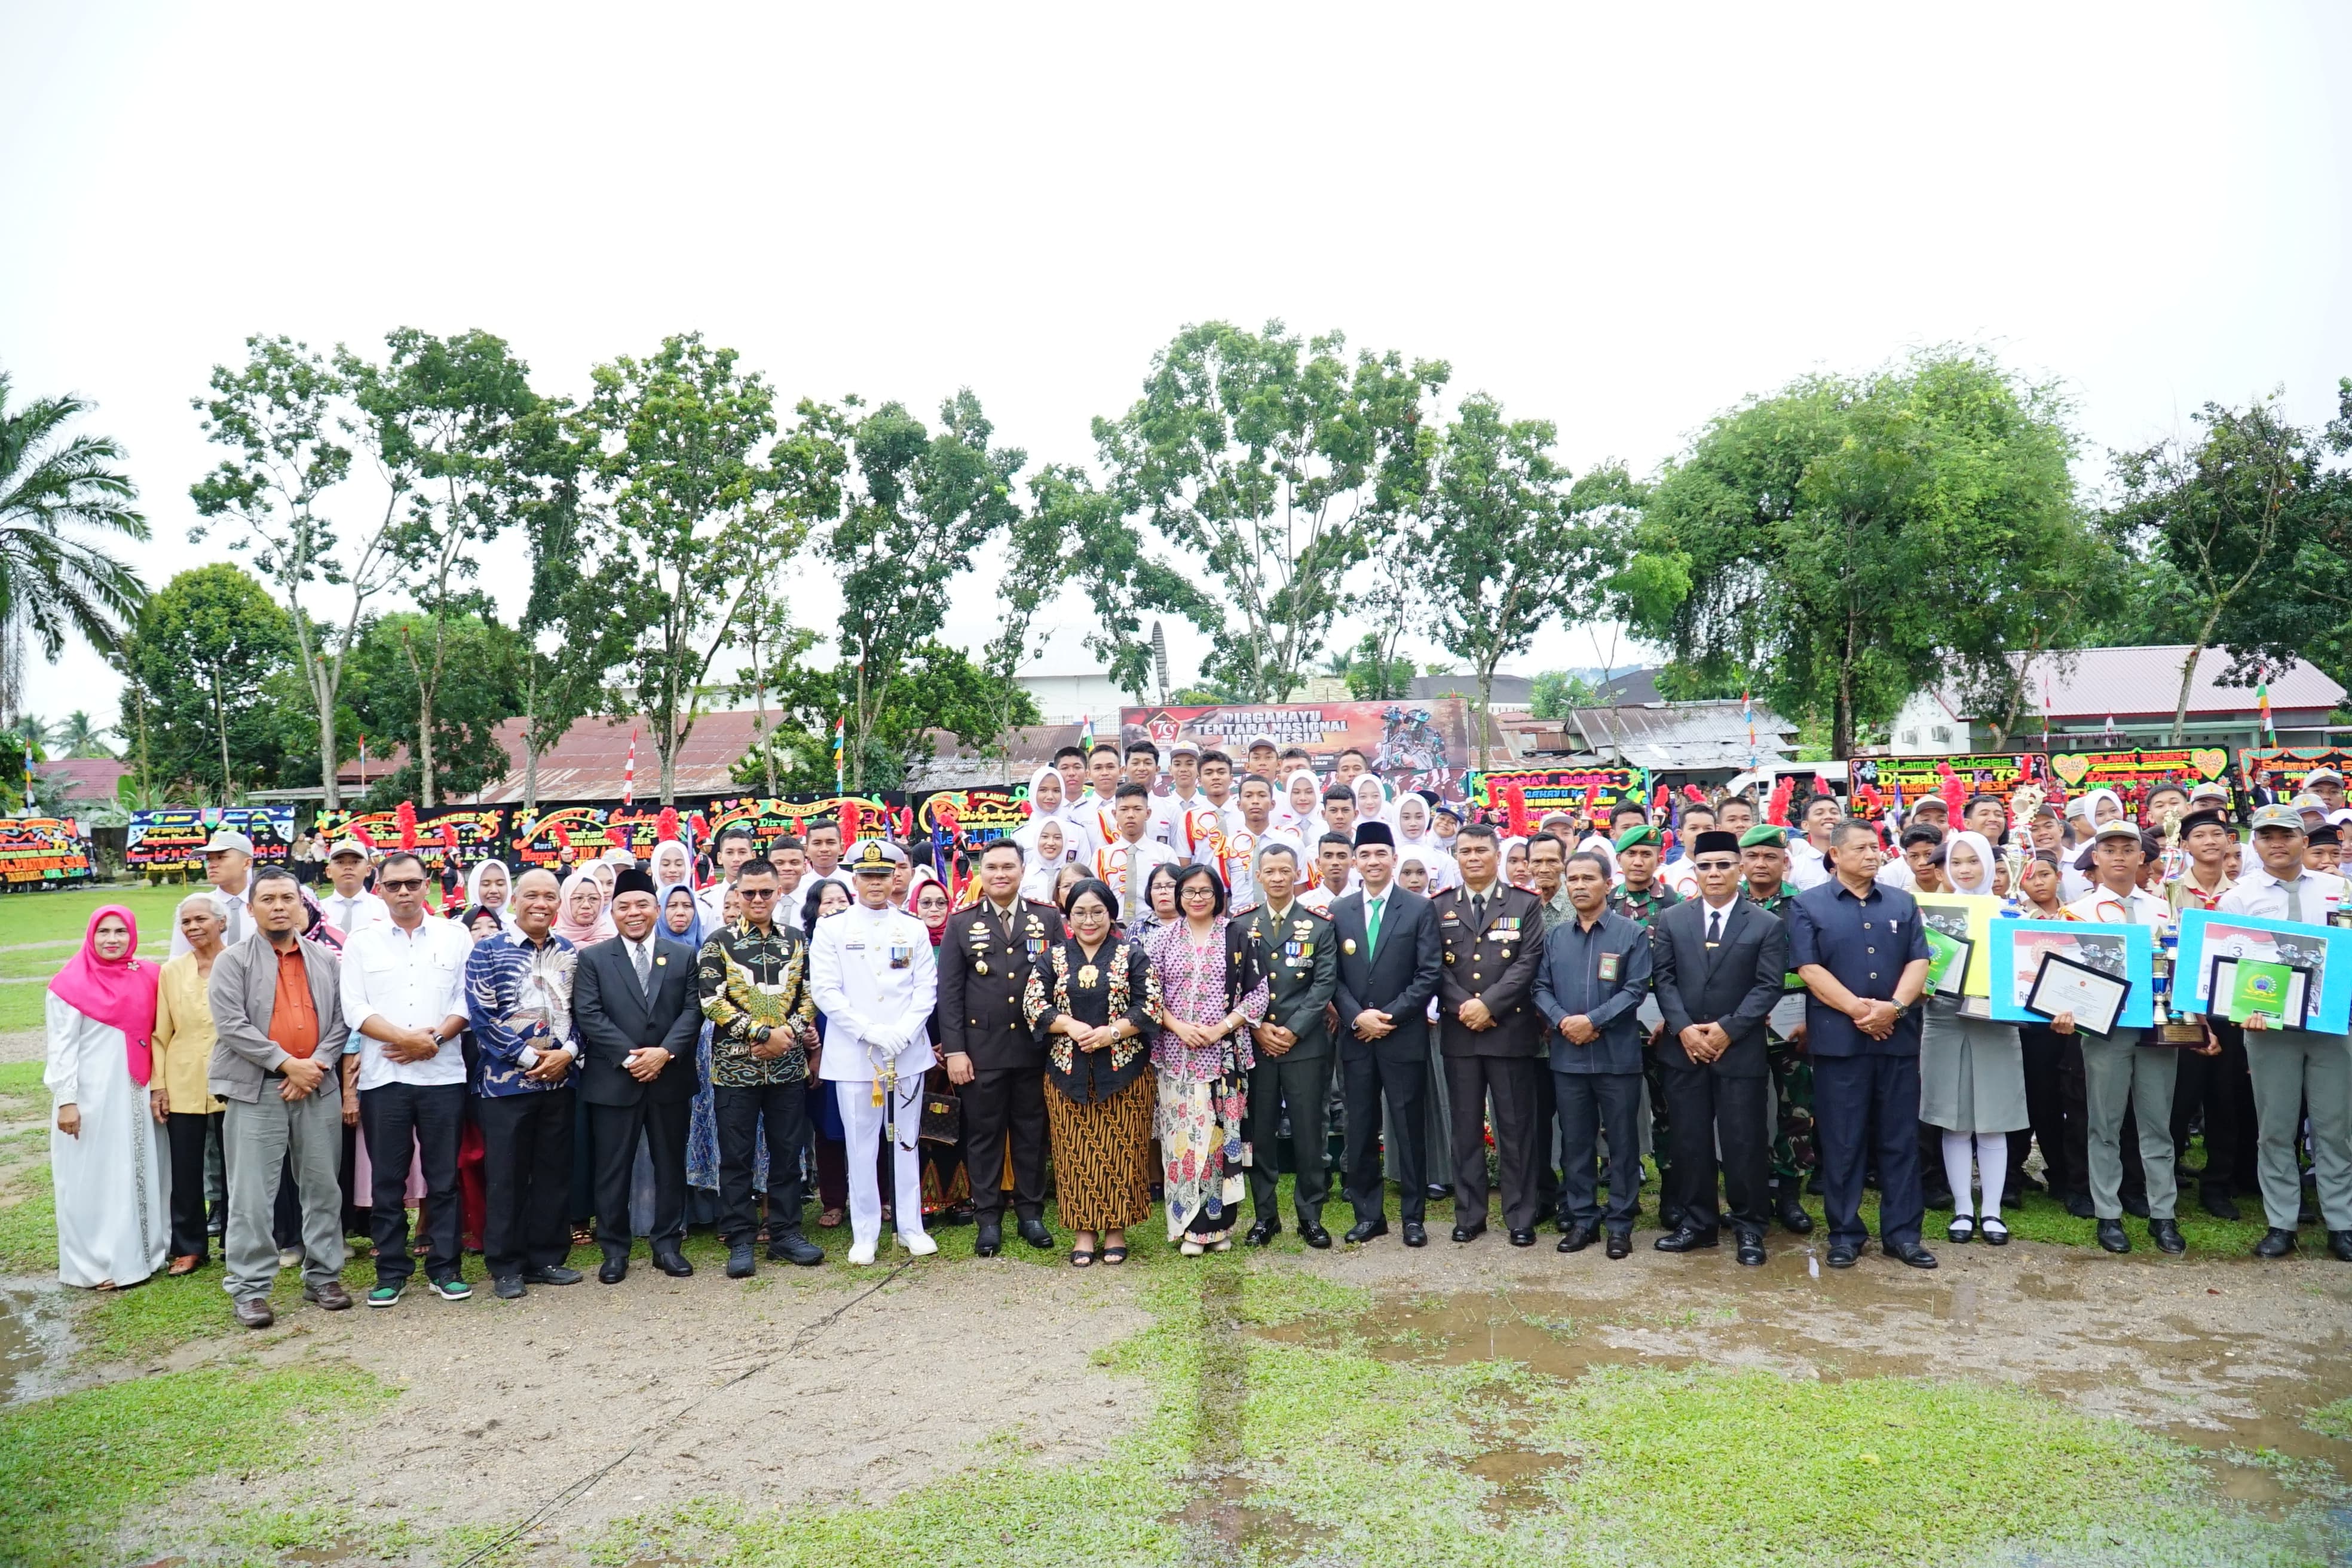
[(1966, 917), (1948, 961), (2324, 950), (2122, 953), (2093, 995), (2241, 987)]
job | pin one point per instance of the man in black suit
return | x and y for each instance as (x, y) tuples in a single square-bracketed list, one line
[(1388, 973), (1490, 940), (633, 1003), (1294, 1048), (1717, 963), (995, 1063)]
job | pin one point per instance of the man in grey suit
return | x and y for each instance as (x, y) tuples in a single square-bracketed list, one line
[(634, 1004), (278, 1033), (1387, 971), (1718, 963)]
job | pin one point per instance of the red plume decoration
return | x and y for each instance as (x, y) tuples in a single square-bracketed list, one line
[(850, 819), (1515, 807), (1777, 813), (666, 825), (405, 815)]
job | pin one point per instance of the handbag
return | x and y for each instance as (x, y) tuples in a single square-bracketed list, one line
[(942, 1117)]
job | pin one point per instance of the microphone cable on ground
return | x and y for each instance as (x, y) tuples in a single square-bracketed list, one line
[(581, 1487)]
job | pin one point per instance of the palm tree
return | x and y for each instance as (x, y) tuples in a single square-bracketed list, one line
[(81, 735), (56, 493)]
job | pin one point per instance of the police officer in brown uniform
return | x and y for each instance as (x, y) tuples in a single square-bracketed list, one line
[(993, 1059), (1491, 941)]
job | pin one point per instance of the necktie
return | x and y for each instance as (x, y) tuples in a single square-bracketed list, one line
[(1372, 925), (1714, 927), (1478, 911), (2293, 891), (236, 920), (641, 953)]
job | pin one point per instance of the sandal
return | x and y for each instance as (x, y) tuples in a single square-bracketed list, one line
[(1995, 1234), (830, 1219), (1960, 1230), (1114, 1255), (1081, 1258)]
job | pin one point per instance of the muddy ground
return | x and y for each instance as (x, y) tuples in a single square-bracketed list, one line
[(859, 1386)]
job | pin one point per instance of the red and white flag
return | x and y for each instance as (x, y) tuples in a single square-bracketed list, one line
[(629, 772)]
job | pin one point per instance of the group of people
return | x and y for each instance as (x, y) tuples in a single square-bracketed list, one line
[(1748, 1012)]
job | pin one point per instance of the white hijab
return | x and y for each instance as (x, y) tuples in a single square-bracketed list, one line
[(1982, 847), (683, 872), (1382, 812), (1307, 823), (505, 909)]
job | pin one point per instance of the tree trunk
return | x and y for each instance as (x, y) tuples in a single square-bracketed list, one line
[(858, 759), (1841, 717), (220, 728), (531, 733), (2188, 675)]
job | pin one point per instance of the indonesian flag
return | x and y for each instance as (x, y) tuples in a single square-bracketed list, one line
[(2263, 710), (629, 772), (1086, 733)]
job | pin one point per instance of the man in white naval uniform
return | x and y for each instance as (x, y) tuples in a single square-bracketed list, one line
[(875, 977)]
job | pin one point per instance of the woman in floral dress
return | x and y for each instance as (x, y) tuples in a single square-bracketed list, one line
[(1211, 987)]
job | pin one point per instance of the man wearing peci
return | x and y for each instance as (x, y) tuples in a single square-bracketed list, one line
[(1388, 968), (634, 1004), (1490, 943), (1718, 963)]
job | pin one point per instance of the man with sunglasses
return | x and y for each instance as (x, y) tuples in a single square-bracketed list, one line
[(404, 983)]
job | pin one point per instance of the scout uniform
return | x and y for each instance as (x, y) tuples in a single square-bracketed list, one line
[(875, 979)]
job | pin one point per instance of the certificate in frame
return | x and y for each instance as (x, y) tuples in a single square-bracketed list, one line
[(2094, 996)]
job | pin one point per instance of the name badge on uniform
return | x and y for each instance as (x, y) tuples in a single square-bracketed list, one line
[(902, 955), (1608, 961)]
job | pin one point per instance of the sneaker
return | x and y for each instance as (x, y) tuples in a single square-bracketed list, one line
[(289, 1257), (450, 1289), (388, 1295), (916, 1242), (862, 1253)]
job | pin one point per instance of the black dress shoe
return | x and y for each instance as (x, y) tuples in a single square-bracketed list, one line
[(1034, 1233), (739, 1262), (1364, 1230), (793, 1248), (1621, 1244), (614, 1271), (1415, 1234), (507, 1287), (1843, 1254), (1685, 1239), (1576, 1238), (2340, 1246), (1751, 1248), (1523, 1238), (1438, 1189), (2112, 1236), (988, 1240), (2135, 1205), (2079, 1204), (1263, 1232), (1909, 1252), (2218, 1203), (1792, 1216), (2275, 1243), (553, 1274), (1315, 1235), (2165, 1233), (1469, 1232), (672, 1263)]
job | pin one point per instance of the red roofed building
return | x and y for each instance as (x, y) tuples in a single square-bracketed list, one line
[(2098, 698)]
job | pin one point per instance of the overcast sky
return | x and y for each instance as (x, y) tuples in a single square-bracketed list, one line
[(1621, 220)]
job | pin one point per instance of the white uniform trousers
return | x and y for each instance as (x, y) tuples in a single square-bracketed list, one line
[(861, 1126)]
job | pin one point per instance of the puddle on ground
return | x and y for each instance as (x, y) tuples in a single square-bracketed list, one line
[(1223, 1513), (36, 1338)]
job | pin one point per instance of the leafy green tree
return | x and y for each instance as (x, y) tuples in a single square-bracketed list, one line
[(691, 502), (1373, 675), (916, 505), (1514, 540), (479, 687), (938, 688), (1270, 466), (1095, 550), (280, 415), (60, 497), (465, 443), (2250, 525), (202, 651), (1843, 541), (1555, 693)]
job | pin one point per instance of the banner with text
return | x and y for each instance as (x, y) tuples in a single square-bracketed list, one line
[(42, 851), (458, 834), (1589, 794), (1411, 744), (175, 834), (2277, 774)]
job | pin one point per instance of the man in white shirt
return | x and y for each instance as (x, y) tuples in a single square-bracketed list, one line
[(1217, 790), (825, 854), (2117, 1070), (1183, 818), (1235, 861), (874, 976), (350, 907), (229, 867), (1125, 863), (1809, 865), (2329, 786), (1335, 864), (404, 983), (728, 852), (2291, 1067)]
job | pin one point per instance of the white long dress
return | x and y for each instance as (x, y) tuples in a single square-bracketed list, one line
[(113, 1181)]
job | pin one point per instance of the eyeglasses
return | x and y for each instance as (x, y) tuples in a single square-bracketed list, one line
[(748, 894), (406, 885)]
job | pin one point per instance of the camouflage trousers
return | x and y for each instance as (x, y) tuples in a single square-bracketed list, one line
[(1793, 1155)]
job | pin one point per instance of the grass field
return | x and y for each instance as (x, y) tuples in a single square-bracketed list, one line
[(38, 932)]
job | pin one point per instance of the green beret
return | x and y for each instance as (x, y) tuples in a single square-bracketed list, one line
[(1644, 834), (1763, 834)]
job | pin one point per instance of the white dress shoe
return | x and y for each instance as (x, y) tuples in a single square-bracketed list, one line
[(918, 1243), (862, 1252)]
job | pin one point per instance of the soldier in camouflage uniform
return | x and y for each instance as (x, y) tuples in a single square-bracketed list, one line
[(1764, 864), (1641, 897)]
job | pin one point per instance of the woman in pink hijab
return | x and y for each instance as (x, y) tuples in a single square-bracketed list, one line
[(109, 1157)]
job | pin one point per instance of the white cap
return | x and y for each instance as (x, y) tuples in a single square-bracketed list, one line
[(228, 839)]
